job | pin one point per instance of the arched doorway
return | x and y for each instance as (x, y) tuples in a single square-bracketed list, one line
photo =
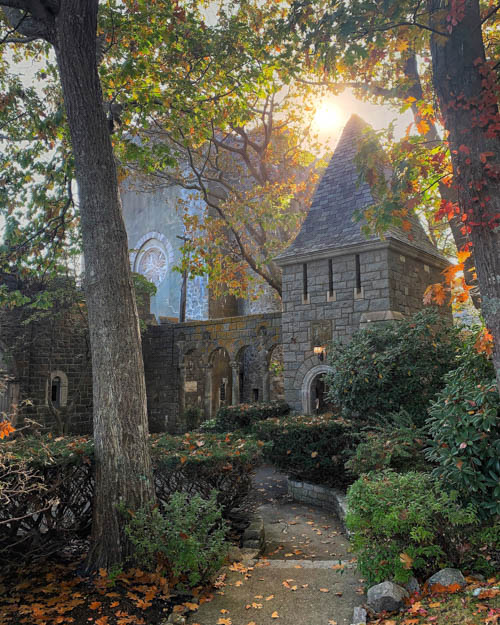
[(313, 390)]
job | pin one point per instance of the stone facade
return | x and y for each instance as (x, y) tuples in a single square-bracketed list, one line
[(335, 281)]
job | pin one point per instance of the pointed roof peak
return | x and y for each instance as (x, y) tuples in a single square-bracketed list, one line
[(340, 194)]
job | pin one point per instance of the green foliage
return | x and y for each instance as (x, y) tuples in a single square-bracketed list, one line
[(56, 504), (186, 538), (394, 443), (465, 432), (405, 525), (311, 448), (389, 367), (482, 549), (242, 416)]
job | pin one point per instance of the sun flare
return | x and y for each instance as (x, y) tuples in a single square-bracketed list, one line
[(328, 117)]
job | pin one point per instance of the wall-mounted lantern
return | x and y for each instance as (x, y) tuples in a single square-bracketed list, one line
[(320, 352)]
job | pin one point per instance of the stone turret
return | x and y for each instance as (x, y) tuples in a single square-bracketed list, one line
[(336, 280)]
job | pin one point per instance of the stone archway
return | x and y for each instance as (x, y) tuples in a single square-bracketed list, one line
[(309, 387)]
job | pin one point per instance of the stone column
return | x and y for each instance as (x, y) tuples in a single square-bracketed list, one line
[(235, 385), (208, 391), (265, 376), (182, 394)]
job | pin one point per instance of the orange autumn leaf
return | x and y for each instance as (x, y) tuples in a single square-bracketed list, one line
[(489, 594), (95, 605), (275, 615), (104, 620), (224, 621), (6, 428), (439, 588)]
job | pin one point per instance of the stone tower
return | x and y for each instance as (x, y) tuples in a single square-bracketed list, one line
[(335, 280)]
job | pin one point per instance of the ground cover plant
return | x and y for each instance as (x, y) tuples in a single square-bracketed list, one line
[(393, 366), (40, 520), (310, 448)]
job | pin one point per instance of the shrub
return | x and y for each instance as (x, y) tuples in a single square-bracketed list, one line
[(405, 525), (393, 443), (242, 416), (186, 538), (465, 432), (482, 549), (394, 366), (60, 506), (311, 448)]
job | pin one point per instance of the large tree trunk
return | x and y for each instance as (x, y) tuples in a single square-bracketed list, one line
[(470, 110), (123, 465)]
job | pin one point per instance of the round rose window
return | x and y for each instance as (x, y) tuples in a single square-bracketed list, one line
[(152, 262)]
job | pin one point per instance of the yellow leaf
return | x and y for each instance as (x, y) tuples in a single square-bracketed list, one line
[(314, 454), (324, 590), (275, 615)]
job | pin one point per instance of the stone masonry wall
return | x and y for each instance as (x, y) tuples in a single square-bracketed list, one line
[(331, 317), (44, 347)]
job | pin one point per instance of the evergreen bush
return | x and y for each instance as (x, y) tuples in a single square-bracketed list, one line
[(392, 366), (310, 448), (404, 525), (464, 426), (395, 442)]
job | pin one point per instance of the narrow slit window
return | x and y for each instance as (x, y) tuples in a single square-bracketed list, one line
[(55, 391), (330, 277), (255, 394), (304, 282), (358, 275)]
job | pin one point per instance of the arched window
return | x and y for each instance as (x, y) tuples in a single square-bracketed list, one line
[(57, 389)]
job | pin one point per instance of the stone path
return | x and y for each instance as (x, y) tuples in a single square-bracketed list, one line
[(306, 575)]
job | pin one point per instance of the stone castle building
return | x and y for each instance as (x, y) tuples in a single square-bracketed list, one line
[(335, 280)]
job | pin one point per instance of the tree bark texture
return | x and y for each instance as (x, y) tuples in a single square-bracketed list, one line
[(470, 112), (123, 465)]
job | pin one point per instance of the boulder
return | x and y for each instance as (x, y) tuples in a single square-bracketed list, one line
[(386, 596), (412, 586), (447, 577)]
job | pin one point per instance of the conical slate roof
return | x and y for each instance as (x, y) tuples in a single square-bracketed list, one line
[(329, 223)]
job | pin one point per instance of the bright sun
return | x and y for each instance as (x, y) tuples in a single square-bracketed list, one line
[(327, 117)]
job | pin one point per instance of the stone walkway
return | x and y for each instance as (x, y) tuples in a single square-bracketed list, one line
[(305, 576)]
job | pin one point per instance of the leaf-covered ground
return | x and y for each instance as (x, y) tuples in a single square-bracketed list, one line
[(52, 593), (442, 607)]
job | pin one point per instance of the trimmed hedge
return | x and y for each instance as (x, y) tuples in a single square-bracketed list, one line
[(243, 416), (309, 448), (53, 502)]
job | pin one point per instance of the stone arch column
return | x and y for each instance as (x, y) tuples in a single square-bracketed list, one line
[(305, 391), (235, 387), (208, 390)]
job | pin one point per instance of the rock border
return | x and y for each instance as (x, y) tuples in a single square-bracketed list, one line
[(329, 498), (254, 537)]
